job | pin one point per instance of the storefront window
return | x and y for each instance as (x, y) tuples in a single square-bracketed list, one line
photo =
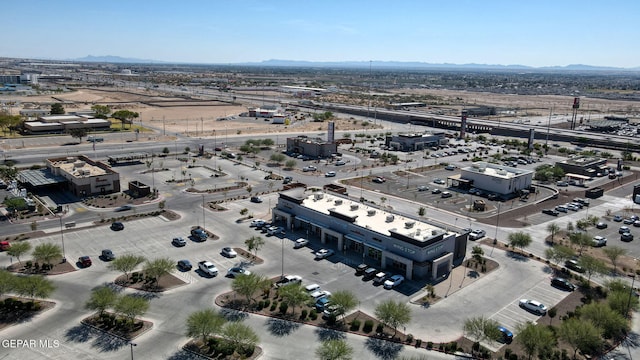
[(374, 254)]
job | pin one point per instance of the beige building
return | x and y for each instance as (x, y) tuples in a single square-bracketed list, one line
[(84, 176)]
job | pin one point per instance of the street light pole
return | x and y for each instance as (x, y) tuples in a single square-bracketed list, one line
[(132, 345), (203, 227), (282, 242), (64, 257)]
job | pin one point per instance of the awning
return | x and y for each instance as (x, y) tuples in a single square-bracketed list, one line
[(303, 219), (354, 238), (374, 246)]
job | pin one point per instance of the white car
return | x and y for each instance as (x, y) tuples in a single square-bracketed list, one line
[(309, 168), (477, 234), (229, 252), (324, 253), (330, 174), (535, 307), (393, 281), (302, 242), (235, 271), (208, 268), (320, 294), (599, 241), (257, 223), (311, 288), (289, 279)]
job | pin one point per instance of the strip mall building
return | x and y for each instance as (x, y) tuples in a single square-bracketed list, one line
[(408, 246)]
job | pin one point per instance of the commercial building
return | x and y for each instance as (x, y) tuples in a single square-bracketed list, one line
[(63, 123), (408, 246), (414, 142), (312, 147), (84, 176), (583, 165), (493, 178)]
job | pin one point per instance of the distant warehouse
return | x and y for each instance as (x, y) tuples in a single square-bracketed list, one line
[(57, 124)]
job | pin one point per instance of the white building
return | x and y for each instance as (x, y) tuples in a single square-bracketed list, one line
[(493, 178)]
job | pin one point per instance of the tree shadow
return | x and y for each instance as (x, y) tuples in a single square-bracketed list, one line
[(329, 334), (280, 327), (383, 349), (233, 315), (147, 295), (184, 355), (517, 256), (111, 285), (473, 274), (105, 342), (79, 333)]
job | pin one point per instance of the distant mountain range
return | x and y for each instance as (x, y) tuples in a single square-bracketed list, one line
[(366, 64)]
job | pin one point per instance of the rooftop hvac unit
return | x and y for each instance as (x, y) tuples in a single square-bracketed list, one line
[(417, 232), (434, 232), (354, 206), (390, 218), (338, 202), (501, 172), (79, 164), (371, 212), (318, 196), (409, 224)]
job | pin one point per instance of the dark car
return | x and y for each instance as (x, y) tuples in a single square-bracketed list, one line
[(287, 180), (369, 273), (199, 234), (550, 212), (256, 199), (178, 241), (617, 218), (601, 225), (626, 237), (107, 255), (84, 261), (184, 265), (123, 208), (563, 284), (361, 268), (117, 226), (573, 265), (507, 336)]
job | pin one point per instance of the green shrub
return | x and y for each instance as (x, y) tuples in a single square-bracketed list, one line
[(355, 325), (283, 308), (313, 315), (273, 306), (410, 338), (429, 345), (418, 343), (303, 314), (368, 326), (380, 328)]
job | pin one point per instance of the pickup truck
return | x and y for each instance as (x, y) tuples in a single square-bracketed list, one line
[(208, 268)]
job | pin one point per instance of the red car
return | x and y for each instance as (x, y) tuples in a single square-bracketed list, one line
[(84, 261), (4, 245)]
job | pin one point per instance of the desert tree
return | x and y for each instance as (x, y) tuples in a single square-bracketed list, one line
[(393, 313), (581, 240), (592, 266), (334, 349), (613, 253), (131, 306), (477, 253), (46, 252), (534, 339), (293, 295), (519, 240), (204, 323), (254, 244), (126, 263), (125, 116), (482, 329), (101, 299), (34, 286), (290, 164), (581, 335), (7, 282), (559, 253), (101, 111), (613, 324), (247, 285), (240, 335), (18, 249), (57, 109), (344, 301), (157, 268), (78, 133), (553, 228)]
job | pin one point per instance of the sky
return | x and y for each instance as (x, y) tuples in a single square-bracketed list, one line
[(507, 32)]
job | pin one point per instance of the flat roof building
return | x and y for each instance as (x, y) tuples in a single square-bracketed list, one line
[(412, 247), (414, 142), (85, 176), (313, 147), (493, 178), (583, 165)]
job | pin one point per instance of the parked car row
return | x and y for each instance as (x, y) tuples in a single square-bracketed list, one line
[(388, 280)]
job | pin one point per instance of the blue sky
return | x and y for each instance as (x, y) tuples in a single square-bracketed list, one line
[(534, 33)]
